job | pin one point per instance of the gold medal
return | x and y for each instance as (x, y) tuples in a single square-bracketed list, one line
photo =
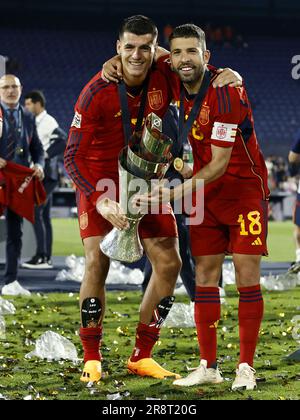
[(178, 164)]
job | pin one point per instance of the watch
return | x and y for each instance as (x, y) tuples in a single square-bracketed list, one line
[(178, 164)]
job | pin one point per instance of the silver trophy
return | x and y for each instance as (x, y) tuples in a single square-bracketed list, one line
[(148, 157)]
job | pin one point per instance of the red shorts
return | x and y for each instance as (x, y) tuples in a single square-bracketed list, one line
[(231, 226), (91, 223)]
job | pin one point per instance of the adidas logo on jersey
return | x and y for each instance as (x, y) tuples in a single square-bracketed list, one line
[(257, 242)]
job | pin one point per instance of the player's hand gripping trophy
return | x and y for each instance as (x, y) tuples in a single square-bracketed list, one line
[(139, 163)]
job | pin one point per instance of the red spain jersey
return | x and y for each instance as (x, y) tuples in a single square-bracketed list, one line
[(96, 135), (226, 120)]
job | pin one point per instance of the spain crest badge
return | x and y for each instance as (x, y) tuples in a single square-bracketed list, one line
[(155, 99), (83, 221), (204, 115)]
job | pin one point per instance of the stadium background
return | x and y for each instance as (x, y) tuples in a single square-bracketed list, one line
[(59, 46)]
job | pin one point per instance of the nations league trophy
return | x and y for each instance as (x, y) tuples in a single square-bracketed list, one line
[(148, 157)]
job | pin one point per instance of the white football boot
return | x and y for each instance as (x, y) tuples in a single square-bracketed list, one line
[(201, 375), (245, 378)]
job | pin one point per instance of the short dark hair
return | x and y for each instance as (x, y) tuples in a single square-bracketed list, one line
[(138, 25), (189, 30), (36, 96)]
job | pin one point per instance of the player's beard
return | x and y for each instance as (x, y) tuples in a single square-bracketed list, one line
[(193, 77)]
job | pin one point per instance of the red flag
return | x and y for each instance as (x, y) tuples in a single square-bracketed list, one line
[(21, 191)]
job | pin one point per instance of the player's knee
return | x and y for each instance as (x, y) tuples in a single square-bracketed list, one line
[(247, 279), (92, 260), (168, 266), (96, 265), (207, 276), (247, 275)]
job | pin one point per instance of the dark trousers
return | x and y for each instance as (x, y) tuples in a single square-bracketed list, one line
[(42, 225), (188, 266), (13, 245)]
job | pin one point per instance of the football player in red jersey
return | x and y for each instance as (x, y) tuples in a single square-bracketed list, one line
[(91, 157), (228, 158), (95, 140)]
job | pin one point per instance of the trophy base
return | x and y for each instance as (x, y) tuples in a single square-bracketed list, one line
[(124, 246)]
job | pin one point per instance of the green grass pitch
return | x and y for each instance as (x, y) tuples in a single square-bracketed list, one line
[(177, 349), (280, 239)]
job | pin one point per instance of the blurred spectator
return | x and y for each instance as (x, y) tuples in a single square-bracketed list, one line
[(64, 180), (223, 37), (294, 159), (281, 186), (53, 139), (278, 172)]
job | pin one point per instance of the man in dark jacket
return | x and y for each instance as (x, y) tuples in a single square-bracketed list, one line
[(19, 143)]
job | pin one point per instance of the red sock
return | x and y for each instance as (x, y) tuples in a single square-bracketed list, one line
[(251, 310), (145, 339), (91, 340), (207, 315)]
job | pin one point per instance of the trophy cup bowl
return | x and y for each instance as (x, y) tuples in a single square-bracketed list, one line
[(153, 148), (135, 175), (144, 168)]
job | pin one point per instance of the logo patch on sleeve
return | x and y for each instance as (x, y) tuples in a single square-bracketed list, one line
[(76, 120), (224, 132), (221, 132)]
